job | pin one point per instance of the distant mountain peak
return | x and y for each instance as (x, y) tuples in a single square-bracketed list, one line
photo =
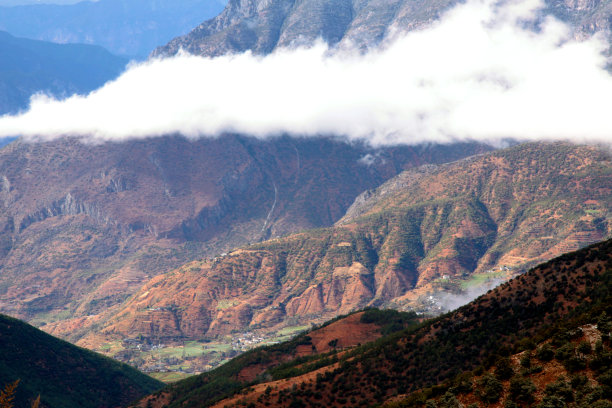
[(130, 28), (263, 26)]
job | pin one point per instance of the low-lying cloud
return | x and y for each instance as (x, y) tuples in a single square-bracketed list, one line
[(451, 301), (479, 73)]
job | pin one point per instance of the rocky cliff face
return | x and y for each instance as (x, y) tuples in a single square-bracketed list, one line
[(424, 232), (84, 226), (265, 25)]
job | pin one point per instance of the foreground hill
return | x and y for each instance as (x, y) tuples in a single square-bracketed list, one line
[(427, 232), (549, 302), (62, 374), (265, 25), (130, 28), (29, 66), (344, 333), (572, 369), (85, 226)]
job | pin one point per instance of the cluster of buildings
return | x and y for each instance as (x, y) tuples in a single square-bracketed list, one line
[(141, 345), (246, 341)]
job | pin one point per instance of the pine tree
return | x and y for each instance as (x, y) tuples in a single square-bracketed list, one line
[(7, 395)]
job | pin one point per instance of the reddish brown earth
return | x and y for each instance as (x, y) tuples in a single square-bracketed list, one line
[(345, 333), (551, 371), (536, 308), (84, 226), (532, 200)]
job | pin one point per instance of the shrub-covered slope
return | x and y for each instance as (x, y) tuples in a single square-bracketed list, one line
[(571, 369), (549, 302), (64, 375)]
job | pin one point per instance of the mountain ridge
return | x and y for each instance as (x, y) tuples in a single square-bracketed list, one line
[(407, 254), (85, 225), (263, 26), (131, 29), (30, 66), (425, 361), (62, 374)]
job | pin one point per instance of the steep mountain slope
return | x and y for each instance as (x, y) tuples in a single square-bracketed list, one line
[(447, 227), (262, 26), (84, 226), (549, 302), (28, 67), (130, 28), (265, 25), (571, 369), (62, 374)]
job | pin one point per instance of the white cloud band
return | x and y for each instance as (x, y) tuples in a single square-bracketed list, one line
[(477, 74)]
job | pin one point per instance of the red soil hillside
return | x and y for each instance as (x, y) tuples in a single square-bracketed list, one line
[(85, 225), (335, 338), (431, 231), (556, 305), (542, 374)]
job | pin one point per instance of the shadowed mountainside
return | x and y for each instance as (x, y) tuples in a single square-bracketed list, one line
[(62, 374), (28, 67)]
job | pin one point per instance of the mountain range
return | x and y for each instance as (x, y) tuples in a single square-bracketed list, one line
[(424, 235), (128, 28), (541, 338), (164, 251), (85, 226), (29, 66), (265, 25)]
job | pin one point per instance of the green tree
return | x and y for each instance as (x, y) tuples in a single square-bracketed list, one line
[(521, 390), (584, 347), (449, 400), (560, 388), (603, 324), (503, 369), (552, 401), (545, 353), (490, 389), (526, 360)]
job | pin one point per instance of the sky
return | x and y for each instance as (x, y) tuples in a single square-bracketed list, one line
[(29, 2), (477, 74)]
